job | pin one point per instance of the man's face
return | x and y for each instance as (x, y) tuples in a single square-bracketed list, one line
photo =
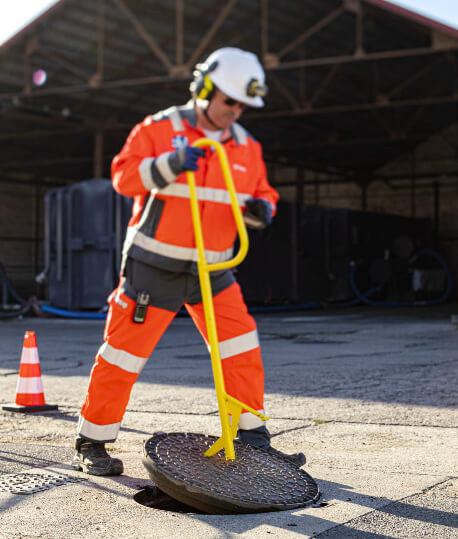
[(224, 111)]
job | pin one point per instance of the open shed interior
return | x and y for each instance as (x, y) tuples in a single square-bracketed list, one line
[(361, 113)]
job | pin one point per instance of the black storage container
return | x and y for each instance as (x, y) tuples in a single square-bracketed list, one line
[(85, 225), (268, 272), (308, 258)]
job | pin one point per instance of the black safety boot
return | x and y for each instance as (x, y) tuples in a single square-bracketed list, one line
[(260, 437), (93, 459), (296, 458)]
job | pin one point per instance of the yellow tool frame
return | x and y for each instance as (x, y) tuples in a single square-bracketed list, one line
[(227, 404)]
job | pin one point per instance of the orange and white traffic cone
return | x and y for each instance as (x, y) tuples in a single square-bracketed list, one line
[(29, 391)]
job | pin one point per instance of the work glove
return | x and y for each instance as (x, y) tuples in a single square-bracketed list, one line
[(258, 213), (185, 158)]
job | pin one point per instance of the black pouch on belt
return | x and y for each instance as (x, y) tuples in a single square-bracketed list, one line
[(141, 307)]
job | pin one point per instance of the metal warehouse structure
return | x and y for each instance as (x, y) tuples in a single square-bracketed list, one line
[(355, 86)]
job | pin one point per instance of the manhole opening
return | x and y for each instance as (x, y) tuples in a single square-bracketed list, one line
[(155, 498)]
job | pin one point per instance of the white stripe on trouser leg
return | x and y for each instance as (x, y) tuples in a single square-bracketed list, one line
[(102, 433), (122, 359), (29, 385), (250, 421), (239, 345), (29, 355)]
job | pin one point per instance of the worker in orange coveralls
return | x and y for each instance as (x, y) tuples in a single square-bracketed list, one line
[(159, 271)]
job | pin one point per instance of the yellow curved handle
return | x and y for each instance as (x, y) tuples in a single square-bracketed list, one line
[(226, 404), (241, 228)]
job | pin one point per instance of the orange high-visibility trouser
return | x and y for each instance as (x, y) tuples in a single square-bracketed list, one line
[(127, 346)]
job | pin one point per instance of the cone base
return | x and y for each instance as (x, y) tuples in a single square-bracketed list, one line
[(27, 409)]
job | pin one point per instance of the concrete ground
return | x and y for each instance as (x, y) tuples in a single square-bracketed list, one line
[(369, 395)]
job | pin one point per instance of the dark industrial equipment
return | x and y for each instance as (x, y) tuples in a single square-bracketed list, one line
[(306, 254), (85, 225)]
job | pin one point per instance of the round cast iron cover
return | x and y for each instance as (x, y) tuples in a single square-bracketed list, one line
[(256, 481)]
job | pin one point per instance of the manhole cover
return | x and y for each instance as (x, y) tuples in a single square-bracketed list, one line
[(28, 483), (256, 481)]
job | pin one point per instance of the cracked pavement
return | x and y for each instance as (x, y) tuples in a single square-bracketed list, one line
[(368, 395)]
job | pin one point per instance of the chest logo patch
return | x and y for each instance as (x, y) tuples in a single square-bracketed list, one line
[(239, 167), (179, 141)]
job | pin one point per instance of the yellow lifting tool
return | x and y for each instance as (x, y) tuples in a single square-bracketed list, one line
[(227, 404)]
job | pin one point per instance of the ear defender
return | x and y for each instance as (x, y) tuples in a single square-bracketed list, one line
[(207, 89), (202, 87)]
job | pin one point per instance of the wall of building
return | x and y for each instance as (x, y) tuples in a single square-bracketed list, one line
[(21, 233)]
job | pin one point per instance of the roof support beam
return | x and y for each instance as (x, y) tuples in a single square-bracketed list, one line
[(407, 81), (324, 83), (42, 133), (144, 34), (264, 28), (48, 133), (161, 79), (222, 16), (30, 47), (98, 154), (179, 32), (356, 7), (100, 42), (359, 45), (285, 92), (370, 57), (60, 60), (307, 111), (310, 31)]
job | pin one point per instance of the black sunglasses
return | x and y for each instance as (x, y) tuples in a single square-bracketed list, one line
[(231, 102)]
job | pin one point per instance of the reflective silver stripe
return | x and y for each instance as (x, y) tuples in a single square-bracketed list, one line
[(98, 432), (240, 133), (120, 358), (29, 384), (174, 251), (250, 421), (175, 118), (144, 170), (173, 115), (162, 164), (29, 355), (132, 230), (238, 345), (210, 194), (130, 234)]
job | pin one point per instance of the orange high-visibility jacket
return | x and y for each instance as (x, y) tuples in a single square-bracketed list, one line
[(160, 231)]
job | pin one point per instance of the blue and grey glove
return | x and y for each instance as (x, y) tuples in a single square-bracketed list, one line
[(258, 213), (185, 158)]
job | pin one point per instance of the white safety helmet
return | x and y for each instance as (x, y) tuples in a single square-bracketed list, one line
[(235, 72)]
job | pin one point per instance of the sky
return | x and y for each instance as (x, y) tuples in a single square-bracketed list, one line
[(20, 12)]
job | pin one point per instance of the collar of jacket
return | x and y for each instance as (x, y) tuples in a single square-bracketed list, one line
[(188, 113)]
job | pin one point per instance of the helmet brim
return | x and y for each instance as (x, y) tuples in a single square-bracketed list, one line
[(256, 102)]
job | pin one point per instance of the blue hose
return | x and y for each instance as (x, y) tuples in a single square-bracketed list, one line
[(101, 316), (364, 297), (73, 314), (355, 301)]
